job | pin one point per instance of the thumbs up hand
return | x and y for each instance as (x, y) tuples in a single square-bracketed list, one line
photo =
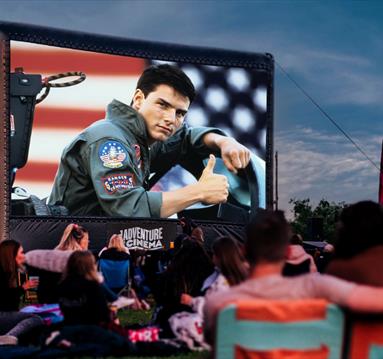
[(213, 187), (209, 169)]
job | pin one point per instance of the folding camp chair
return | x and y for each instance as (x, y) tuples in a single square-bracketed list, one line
[(365, 336), (304, 329), (115, 273)]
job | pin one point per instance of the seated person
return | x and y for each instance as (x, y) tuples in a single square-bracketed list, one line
[(49, 264), (266, 244), (116, 249), (359, 244), (186, 273), (298, 261), (230, 269), (13, 323), (74, 238), (81, 297), (113, 261)]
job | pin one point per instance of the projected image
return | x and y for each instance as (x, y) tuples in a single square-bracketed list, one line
[(163, 120)]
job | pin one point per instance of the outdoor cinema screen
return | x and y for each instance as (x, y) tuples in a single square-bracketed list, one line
[(231, 97)]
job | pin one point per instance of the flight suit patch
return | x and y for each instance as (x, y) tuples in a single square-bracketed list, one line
[(137, 151), (117, 182), (112, 154)]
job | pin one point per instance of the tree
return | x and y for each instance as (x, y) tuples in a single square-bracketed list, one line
[(303, 211)]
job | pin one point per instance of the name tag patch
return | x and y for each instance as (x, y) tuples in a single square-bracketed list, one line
[(117, 182), (112, 154)]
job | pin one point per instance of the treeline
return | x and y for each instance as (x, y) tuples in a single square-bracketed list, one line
[(313, 222)]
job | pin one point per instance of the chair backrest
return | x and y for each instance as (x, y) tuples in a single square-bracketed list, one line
[(115, 272), (272, 329), (365, 337)]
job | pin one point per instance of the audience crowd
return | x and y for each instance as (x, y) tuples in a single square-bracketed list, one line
[(184, 287)]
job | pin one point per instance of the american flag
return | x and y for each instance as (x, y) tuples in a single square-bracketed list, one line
[(232, 99)]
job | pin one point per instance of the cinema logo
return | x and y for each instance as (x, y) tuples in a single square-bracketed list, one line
[(144, 234), (141, 238)]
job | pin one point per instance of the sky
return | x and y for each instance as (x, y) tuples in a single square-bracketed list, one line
[(333, 49)]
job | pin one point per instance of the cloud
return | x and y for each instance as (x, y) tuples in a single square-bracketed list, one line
[(335, 78), (317, 165)]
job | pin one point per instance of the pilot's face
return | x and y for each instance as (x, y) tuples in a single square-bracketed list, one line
[(163, 109)]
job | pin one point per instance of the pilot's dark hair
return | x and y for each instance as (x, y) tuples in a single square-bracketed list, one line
[(165, 74), (267, 237)]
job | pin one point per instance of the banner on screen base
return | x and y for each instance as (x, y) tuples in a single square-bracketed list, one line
[(145, 235)]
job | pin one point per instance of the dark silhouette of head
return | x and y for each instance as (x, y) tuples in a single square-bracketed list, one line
[(82, 264), (360, 227), (267, 237)]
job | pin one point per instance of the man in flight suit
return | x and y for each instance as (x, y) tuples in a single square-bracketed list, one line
[(105, 169)]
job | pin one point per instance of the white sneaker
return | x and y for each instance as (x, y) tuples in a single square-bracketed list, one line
[(8, 340)]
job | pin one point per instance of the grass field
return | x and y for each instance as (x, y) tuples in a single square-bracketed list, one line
[(128, 316)]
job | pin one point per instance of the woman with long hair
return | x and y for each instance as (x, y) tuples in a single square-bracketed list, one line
[(228, 258), (115, 248), (49, 264), (13, 324), (81, 296), (74, 238)]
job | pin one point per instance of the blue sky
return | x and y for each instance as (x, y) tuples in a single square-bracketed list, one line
[(332, 48)]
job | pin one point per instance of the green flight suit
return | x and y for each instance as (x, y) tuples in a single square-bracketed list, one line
[(105, 169)]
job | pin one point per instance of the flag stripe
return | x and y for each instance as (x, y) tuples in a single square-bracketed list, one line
[(48, 144), (37, 172), (63, 118)]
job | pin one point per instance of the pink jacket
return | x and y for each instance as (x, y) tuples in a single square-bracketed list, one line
[(296, 255)]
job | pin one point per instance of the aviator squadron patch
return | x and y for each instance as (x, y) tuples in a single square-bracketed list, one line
[(116, 182), (112, 154)]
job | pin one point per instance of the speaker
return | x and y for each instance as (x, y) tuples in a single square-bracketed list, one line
[(315, 229)]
